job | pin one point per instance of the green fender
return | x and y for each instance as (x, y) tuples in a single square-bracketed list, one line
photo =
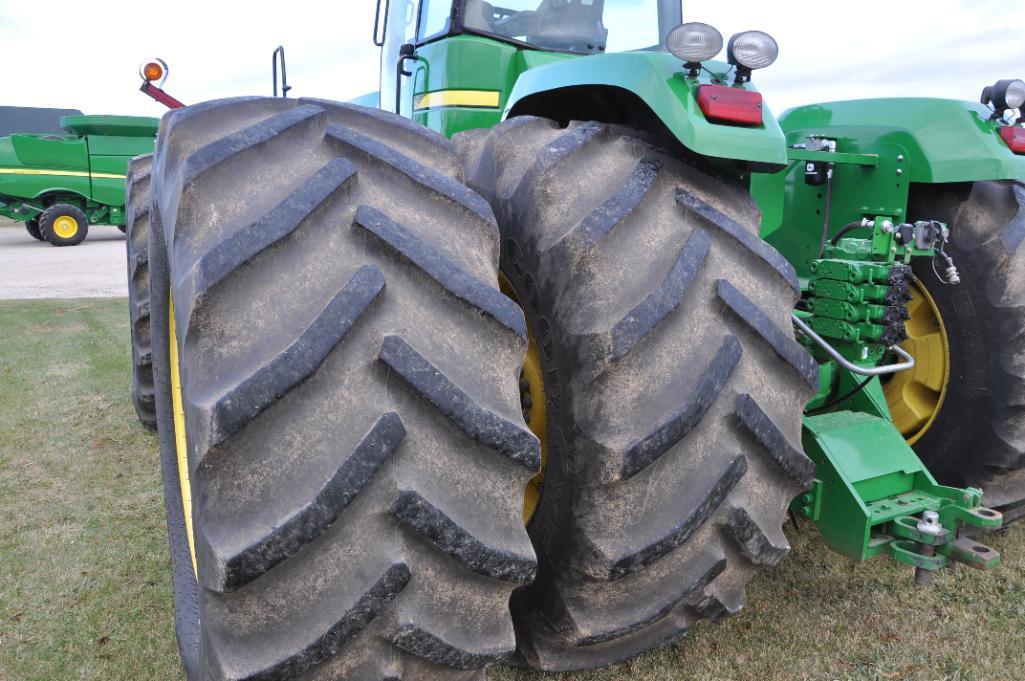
[(887, 146), (946, 140), (657, 80)]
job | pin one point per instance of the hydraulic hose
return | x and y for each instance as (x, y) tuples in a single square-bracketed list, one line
[(845, 229)]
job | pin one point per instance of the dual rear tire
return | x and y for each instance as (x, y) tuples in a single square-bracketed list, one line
[(347, 466), (137, 217), (336, 382), (674, 385)]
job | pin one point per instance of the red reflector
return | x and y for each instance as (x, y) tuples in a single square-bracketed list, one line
[(1015, 138), (730, 105)]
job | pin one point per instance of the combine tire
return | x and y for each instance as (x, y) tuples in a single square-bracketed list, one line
[(674, 385), (350, 424), (32, 227), (63, 225), (975, 433), (137, 249)]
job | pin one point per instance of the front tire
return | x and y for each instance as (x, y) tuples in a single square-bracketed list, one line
[(674, 385), (354, 445), (63, 225)]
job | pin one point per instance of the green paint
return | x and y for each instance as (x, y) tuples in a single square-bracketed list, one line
[(870, 485), (945, 140), (658, 80), (85, 167), (870, 482), (523, 76), (884, 146)]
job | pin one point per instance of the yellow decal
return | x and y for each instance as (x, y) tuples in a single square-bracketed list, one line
[(480, 99), (59, 173)]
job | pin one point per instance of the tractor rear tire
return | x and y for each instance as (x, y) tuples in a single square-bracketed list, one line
[(63, 225), (355, 449), (137, 206), (674, 385), (32, 227), (978, 435)]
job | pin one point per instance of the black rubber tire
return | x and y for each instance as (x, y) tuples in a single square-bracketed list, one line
[(356, 449), (55, 211), (183, 577), (137, 206), (978, 437), (674, 385), (32, 227)]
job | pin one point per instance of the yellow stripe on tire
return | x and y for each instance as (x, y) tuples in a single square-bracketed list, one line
[(179, 434)]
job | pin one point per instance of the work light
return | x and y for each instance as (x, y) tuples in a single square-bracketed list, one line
[(751, 50), (1005, 94), (694, 42)]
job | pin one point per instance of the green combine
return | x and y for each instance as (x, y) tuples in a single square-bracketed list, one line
[(530, 363), (59, 185)]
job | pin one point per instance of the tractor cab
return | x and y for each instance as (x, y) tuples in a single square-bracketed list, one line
[(501, 39), (455, 66)]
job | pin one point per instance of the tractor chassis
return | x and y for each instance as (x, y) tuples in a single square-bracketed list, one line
[(872, 495)]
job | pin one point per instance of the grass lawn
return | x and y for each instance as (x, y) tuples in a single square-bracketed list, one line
[(85, 590)]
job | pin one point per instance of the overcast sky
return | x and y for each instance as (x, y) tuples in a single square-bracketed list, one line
[(85, 55)]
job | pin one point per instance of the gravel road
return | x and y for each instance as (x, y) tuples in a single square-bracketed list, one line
[(35, 269)]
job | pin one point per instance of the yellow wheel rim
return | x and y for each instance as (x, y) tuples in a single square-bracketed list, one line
[(534, 404), (179, 433), (65, 226), (915, 396)]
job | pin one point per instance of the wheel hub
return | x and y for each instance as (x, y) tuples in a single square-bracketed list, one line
[(915, 396), (534, 404), (65, 226)]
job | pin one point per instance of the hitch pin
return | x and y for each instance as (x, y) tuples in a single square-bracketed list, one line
[(929, 524)]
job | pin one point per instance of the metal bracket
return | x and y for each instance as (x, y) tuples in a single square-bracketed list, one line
[(972, 554), (908, 363), (871, 160), (904, 551)]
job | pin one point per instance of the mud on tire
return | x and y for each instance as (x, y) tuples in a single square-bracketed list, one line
[(136, 228), (349, 376), (978, 436), (675, 386)]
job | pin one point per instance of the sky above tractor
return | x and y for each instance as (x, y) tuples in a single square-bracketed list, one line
[(69, 55)]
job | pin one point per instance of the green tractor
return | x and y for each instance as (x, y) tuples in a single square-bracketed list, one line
[(58, 185), (531, 368)]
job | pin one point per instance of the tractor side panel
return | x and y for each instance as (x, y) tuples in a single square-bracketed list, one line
[(109, 157), (907, 140), (947, 140), (461, 83), (31, 166)]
